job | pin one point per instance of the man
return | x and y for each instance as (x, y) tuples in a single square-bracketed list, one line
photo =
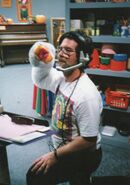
[(76, 113)]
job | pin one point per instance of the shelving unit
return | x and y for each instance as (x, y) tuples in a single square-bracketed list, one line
[(121, 74), (104, 10)]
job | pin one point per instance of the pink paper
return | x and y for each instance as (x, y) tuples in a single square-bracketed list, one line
[(10, 130)]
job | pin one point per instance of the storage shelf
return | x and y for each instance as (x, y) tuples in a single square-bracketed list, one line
[(121, 74), (111, 39), (116, 109), (91, 5)]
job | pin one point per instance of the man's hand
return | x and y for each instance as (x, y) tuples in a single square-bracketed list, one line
[(44, 163), (43, 53)]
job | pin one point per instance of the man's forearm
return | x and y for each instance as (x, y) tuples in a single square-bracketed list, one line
[(79, 143)]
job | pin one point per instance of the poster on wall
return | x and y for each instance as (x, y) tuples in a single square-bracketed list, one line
[(24, 10), (6, 3)]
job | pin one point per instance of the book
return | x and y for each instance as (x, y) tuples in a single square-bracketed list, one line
[(28, 137)]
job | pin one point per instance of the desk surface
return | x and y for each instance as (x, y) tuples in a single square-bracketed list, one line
[(27, 153), (11, 153), (19, 157)]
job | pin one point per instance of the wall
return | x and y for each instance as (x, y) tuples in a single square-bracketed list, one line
[(18, 97), (49, 8), (16, 89)]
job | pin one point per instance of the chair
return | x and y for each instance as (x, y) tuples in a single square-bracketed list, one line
[(78, 179), (81, 179)]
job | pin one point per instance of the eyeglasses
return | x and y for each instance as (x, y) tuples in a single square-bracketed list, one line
[(66, 50)]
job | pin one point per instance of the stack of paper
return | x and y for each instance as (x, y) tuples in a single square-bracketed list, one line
[(10, 130)]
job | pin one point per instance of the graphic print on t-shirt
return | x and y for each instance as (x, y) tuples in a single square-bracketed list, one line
[(63, 121)]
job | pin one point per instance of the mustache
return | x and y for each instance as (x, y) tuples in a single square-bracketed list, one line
[(61, 59)]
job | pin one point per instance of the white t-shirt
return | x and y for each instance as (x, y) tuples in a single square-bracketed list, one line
[(81, 115)]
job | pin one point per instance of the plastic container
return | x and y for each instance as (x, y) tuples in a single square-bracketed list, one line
[(119, 62), (118, 65), (105, 60), (120, 57), (117, 99), (104, 63)]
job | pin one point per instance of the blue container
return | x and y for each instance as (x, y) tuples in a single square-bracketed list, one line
[(120, 57)]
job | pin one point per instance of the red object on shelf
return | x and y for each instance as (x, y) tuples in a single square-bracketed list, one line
[(104, 66), (94, 63), (118, 65), (117, 99)]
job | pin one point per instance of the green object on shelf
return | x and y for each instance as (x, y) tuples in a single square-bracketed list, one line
[(105, 60)]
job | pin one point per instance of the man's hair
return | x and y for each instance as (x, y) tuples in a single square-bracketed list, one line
[(85, 43)]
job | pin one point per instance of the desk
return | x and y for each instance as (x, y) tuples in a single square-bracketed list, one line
[(16, 159), (4, 172)]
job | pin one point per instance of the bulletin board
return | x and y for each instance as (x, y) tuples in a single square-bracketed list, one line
[(24, 10), (6, 3)]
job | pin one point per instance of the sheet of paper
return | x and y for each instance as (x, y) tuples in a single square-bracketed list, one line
[(9, 129), (28, 137)]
